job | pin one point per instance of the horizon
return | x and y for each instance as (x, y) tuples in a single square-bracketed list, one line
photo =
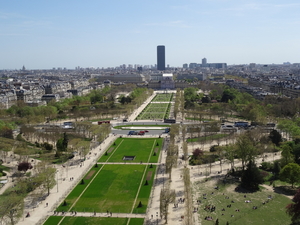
[(98, 34), (115, 67)]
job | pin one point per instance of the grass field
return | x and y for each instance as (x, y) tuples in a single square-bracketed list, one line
[(167, 97), (155, 111), (78, 190), (52, 220), (116, 185), (127, 127), (117, 188), (272, 212), (113, 189), (142, 148)]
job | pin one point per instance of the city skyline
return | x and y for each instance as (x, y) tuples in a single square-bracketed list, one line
[(43, 35)]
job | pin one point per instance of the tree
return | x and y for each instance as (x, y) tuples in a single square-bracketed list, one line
[(290, 173), (275, 137), (24, 166), (167, 196), (197, 157), (123, 100), (46, 176), (140, 205), (230, 154), (11, 208), (245, 149), (293, 209), (287, 156), (62, 143), (47, 146), (228, 95), (251, 177)]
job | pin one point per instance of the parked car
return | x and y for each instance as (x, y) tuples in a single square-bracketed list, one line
[(228, 127), (141, 132)]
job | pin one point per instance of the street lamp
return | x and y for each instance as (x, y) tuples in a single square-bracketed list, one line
[(57, 179)]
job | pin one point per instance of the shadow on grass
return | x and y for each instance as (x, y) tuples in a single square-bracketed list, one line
[(285, 190)]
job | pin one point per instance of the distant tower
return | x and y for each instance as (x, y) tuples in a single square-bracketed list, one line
[(161, 61), (23, 68), (204, 61)]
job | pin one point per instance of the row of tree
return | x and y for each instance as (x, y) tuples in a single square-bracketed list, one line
[(39, 183)]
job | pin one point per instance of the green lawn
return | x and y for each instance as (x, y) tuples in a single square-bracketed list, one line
[(4, 168), (141, 148), (127, 127), (53, 220), (145, 190), (272, 212), (78, 189), (113, 189), (155, 111), (166, 97)]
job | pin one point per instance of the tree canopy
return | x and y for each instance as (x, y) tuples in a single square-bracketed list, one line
[(290, 173), (251, 177), (293, 209)]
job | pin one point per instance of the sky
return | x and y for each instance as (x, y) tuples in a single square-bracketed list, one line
[(100, 33)]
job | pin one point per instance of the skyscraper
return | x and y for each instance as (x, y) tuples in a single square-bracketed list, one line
[(161, 62)]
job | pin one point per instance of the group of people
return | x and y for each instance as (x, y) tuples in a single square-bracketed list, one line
[(210, 208)]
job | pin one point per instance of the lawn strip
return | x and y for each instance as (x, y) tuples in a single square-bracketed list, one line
[(114, 150), (83, 191)]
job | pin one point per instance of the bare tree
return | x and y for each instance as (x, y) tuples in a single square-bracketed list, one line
[(11, 208), (46, 176), (167, 196)]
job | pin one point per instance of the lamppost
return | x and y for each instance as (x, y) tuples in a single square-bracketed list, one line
[(57, 178)]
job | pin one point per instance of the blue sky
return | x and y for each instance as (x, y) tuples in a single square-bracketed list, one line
[(44, 34)]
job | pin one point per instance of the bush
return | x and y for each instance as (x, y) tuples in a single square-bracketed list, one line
[(82, 181), (213, 148), (266, 166), (140, 205), (64, 203), (24, 166), (47, 146), (20, 138)]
